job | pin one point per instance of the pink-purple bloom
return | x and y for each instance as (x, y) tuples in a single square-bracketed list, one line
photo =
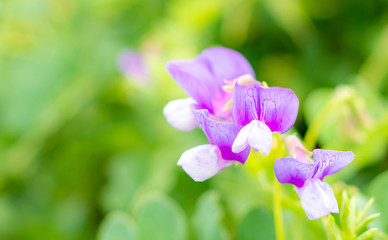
[(203, 78), (237, 113), (132, 65), (317, 197), (233, 109), (261, 111)]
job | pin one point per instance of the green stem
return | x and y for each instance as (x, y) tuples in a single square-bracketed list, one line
[(341, 96), (374, 69), (277, 206)]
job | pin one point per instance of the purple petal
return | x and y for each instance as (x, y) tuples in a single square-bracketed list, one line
[(328, 162), (221, 134), (219, 109), (179, 115), (245, 100), (317, 199), (203, 162), (227, 64), (203, 77), (195, 79), (276, 107), (291, 171)]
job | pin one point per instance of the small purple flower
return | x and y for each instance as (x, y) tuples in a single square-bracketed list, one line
[(212, 80), (317, 197), (132, 65), (204, 161), (261, 111), (203, 79)]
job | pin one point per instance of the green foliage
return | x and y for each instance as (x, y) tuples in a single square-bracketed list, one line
[(378, 189), (257, 224), (159, 217), (341, 119), (125, 174), (207, 218), (117, 226), (83, 149), (352, 223)]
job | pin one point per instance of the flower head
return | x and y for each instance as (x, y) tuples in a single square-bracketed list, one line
[(261, 111), (203, 79), (132, 65), (317, 197), (234, 110)]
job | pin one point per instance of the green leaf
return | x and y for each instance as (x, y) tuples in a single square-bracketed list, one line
[(367, 235), (378, 189), (344, 213), (163, 170), (117, 226), (160, 217), (257, 224), (125, 175), (333, 231), (365, 222), (207, 218), (366, 209)]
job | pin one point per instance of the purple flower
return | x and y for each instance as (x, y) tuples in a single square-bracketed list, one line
[(132, 65), (204, 161), (317, 197), (203, 79), (261, 111)]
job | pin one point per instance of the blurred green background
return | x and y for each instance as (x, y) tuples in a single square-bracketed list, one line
[(85, 151)]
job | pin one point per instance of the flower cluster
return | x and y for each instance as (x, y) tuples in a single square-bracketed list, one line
[(236, 112), (317, 197)]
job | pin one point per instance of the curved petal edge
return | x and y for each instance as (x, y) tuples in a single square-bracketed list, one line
[(203, 162), (178, 114)]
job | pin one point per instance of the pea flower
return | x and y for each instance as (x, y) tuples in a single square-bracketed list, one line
[(204, 161), (133, 66), (233, 109), (260, 111), (317, 197), (203, 79)]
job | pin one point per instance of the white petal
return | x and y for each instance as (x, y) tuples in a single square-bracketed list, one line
[(255, 134), (202, 162), (317, 199), (260, 137), (241, 141), (179, 115)]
